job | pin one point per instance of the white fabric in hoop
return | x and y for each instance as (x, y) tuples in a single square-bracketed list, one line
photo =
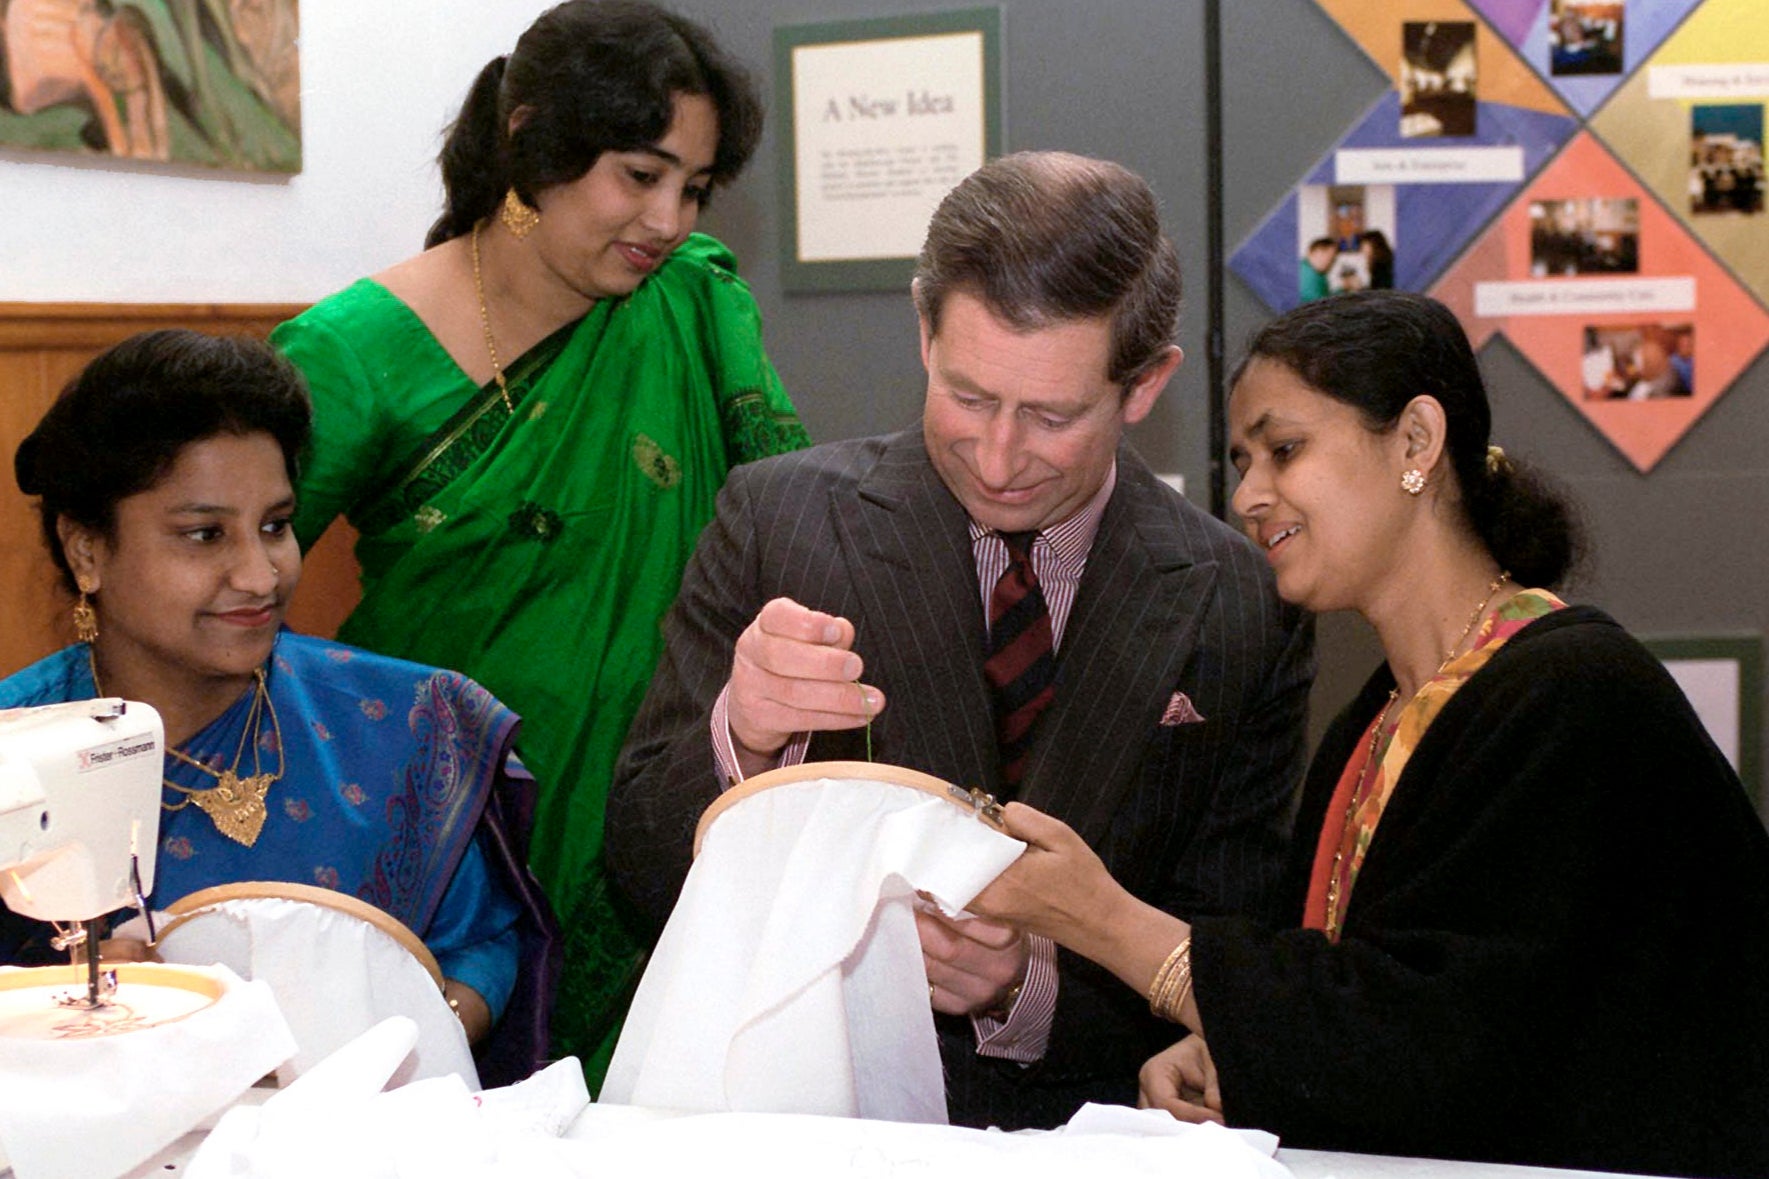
[(99, 1106), (789, 978), (334, 975)]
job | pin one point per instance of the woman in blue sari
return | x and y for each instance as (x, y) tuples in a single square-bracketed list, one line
[(165, 475)]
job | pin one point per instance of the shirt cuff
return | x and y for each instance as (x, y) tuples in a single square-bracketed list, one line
[(725, 746), (1024, 1036)]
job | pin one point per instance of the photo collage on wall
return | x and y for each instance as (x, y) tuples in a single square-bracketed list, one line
[(1491, 176)]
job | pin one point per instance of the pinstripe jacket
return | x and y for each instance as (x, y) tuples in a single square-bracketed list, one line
[(1193, 817)]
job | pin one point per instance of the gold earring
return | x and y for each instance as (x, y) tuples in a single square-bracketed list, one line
[(85, 620), (516, 215), (1412, 481)]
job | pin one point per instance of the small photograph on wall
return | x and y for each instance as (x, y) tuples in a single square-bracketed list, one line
[(1639, 362), (1585, 37), (1591, 235), (1726, 158), (1344, 238), (1437, 79), (207, 82)]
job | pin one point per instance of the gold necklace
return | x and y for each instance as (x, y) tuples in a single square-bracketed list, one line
[(1479, 610), (1350, 810), (1333, 885), (491, 344), (234, 804)]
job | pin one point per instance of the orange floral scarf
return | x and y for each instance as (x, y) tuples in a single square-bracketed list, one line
[(1380, 757)]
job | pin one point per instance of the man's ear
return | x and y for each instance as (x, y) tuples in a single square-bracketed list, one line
[(1145, 390)]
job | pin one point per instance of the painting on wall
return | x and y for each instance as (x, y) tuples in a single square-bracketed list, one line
[(207, 82)]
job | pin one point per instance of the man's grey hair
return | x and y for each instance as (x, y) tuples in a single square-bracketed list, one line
[(1048, 237)]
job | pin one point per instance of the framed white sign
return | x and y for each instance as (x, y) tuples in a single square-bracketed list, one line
[(1723, 678), (883, 117)]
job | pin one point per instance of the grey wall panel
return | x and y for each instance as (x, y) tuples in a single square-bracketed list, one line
[(1122, 79), (1684, 550)]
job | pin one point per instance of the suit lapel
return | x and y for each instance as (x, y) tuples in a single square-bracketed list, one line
[(1134, 625), (920, 623)]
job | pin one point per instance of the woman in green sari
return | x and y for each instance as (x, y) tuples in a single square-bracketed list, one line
[(528, 422)]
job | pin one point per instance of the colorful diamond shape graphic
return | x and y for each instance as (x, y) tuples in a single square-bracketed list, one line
[(1503, 78), (1512, 19), (1691, 126), (1584, 50), (1607, 294), (1428, 194)]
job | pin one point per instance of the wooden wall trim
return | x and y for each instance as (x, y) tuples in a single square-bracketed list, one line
[(35, 326), (42, 345)]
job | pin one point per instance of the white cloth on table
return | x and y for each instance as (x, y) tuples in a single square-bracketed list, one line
[(789, 978), (93, 1108), (337, 1121), (1099, 1140)]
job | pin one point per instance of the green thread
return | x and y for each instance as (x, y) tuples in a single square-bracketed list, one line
[(868, 721)]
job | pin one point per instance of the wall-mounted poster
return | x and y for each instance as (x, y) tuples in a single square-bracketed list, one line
[(1436, 157), (883, 117), (1611, 298), (1583, 176), (208, 82)]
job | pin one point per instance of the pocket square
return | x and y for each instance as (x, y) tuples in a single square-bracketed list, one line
[(1180, 711)]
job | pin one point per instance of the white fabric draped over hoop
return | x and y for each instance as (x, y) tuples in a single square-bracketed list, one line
[(337, 966), (789, 978)]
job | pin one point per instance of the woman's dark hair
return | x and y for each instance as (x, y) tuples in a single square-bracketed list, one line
[(591, 76), (118, 427), (1376, 351)]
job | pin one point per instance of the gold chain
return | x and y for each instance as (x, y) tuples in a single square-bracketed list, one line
[(1350, 810), (1357, 791), (491, 344), (234, 804), (1479, 610)]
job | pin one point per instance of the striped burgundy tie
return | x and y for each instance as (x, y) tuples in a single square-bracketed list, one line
[(1021, 664)]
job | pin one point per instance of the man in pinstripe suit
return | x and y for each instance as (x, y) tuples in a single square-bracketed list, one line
[(847, 584)]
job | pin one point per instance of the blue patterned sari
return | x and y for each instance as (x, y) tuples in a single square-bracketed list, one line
[(397, 787)]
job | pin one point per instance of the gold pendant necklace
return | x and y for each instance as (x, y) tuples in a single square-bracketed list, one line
[(234, 804), (491, 344)]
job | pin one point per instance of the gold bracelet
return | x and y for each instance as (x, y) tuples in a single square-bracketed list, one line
[(1173, 982)]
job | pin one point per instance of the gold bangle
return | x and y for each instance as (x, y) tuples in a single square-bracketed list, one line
[(1173, 982)]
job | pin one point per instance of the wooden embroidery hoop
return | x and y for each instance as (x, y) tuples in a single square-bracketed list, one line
[(204, 899), (145, 976), (981, 804)]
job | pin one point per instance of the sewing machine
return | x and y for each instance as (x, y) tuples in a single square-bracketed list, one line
[(79, 819)]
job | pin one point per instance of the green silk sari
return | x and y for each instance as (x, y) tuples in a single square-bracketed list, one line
[(538, 551)]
